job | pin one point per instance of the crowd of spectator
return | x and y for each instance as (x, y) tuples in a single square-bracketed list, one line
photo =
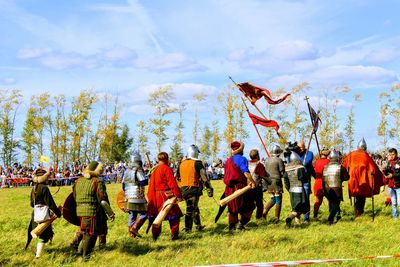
[(19, 175)]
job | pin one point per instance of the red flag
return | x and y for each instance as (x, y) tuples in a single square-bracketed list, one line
[(264, 122), (314, 118), (255, 93)]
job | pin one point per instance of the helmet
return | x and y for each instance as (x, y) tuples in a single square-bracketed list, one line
[(325, 151), (193, 151), (275, 150), (136, 157), (334, 155), (135, 161), (362, 145), (294, 156)]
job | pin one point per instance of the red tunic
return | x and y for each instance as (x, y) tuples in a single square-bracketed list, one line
[(162, 183), (234, 179), (319, 168), (365, 175)]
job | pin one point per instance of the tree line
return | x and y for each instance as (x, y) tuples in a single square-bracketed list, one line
[(89, 125)]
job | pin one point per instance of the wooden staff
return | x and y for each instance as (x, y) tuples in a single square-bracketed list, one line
[(35, 233), (148, 159), (167, 206), (258, 133), (236, 194)]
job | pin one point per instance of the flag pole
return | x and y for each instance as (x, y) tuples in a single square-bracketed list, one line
[(259, 136), (313, 129)]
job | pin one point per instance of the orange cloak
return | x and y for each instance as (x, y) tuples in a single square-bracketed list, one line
[(365, 175)]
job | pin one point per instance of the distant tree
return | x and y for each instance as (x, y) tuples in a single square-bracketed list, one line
[(121, 146), (383, 126), (227, 101), (29, 139), (241, 134), (395, 112), (176, 148), (9, 103), (141, 136), (216, 137), (206, 142), (109, 129), (198, 98), (81, 107), (159, 100), (296, 127), (325, 129)]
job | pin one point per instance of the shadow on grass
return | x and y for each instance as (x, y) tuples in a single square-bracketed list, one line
[(4, 261), (138, 248)]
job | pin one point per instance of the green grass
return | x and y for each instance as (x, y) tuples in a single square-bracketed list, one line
[(261, 242)]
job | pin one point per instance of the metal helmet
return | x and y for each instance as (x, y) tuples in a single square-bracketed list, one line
[(362, 145), (294, 156), (275, 150), (136, 157), (193, 152), (325, 151), (135, 160), (334, 155)]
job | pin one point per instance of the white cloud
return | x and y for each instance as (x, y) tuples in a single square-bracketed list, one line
[(8, 81), (169, 62), (294, 50), (140, 109), (183, 92), (353, 75), (117, 53), (285, 57), (383, 55), (29, 53)]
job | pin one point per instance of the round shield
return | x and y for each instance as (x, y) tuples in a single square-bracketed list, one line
[(121, 200), (69, 210)]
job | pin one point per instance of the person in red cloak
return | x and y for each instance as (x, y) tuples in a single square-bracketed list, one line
[(319, 165), (162, 186), (237, 176), (365, 176)]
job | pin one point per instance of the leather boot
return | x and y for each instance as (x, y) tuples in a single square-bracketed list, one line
[(134, 229), (188, 223), (77, 239), (102, 241), (316, 209), (278, 209), (88, 243), (197, 220), (232, 227), (267, 208)]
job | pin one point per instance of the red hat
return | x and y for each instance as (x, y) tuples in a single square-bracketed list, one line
[(237, 147)]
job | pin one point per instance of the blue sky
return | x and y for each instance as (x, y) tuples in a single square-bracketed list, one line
[(132, 47)]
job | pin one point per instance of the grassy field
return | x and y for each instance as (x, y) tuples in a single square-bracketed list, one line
[(261, 242)]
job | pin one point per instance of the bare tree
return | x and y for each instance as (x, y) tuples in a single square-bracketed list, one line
[(159, 100)]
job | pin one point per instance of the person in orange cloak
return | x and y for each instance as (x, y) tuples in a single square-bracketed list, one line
[(365, 176)]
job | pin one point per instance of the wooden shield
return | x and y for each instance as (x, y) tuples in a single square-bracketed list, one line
[(69, 210), (121, 200)]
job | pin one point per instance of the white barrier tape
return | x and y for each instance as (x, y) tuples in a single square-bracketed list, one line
[(300, 262)]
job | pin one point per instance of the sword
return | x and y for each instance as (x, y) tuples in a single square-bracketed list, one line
[(221, 209)]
